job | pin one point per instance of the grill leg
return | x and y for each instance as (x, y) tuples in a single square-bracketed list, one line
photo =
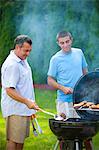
[(66, 145), (78, 144), (56, 145), (70, 144)]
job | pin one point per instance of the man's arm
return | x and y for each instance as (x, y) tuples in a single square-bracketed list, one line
[(52, 82), (85, 71), (16, 96)]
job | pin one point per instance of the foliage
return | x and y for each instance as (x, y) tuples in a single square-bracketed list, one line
[(9, 10), (41, 20)]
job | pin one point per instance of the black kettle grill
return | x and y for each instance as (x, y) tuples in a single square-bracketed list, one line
[(76, 130)]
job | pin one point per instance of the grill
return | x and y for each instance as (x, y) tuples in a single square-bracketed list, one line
[(78, 130)]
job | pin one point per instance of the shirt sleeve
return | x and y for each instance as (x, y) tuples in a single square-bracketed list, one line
[(52, 68), (10, 76), (84, 63)]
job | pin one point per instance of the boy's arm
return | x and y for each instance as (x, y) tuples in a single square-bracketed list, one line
[(52, 82)]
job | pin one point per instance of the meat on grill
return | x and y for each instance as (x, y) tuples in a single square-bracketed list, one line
[(84, 104)]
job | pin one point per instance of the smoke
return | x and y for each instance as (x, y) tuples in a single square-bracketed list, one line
[(39, 22), (33, 24), (42, 19)]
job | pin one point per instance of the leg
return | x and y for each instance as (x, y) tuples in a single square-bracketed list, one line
[(17, 131), (88, 144), (11, 145), (14, 146), (19, 146)]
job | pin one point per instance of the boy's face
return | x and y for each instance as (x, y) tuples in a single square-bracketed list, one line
[(65, 43)]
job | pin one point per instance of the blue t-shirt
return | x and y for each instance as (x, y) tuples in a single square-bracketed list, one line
[(66, 68)]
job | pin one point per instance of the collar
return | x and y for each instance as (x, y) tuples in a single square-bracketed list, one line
[(66, 53), (15, 57)]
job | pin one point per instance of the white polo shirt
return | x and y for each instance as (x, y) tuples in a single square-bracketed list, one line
[(16, 73)]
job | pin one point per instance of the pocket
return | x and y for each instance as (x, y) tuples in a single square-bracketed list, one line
[(24, 77)]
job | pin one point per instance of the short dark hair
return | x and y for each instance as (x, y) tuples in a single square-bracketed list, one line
[(63, 34), (20, 39)]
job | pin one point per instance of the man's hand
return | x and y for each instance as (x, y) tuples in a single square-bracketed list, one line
[(66, 90), (32, 105)]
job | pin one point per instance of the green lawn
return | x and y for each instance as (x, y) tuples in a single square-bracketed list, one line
[(46, 141)]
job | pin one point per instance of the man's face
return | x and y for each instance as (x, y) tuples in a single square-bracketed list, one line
[(65, 43), (23, 51)]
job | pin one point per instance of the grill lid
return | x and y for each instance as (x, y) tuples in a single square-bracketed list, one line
[(87, 89)]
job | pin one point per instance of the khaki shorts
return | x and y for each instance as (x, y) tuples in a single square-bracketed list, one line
[(67, 108), (17, 128)]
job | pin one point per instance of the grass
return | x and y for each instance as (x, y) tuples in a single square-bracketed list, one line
[(46, 100)]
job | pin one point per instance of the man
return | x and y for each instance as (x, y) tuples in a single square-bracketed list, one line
[(65, 68), (18, 100)]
